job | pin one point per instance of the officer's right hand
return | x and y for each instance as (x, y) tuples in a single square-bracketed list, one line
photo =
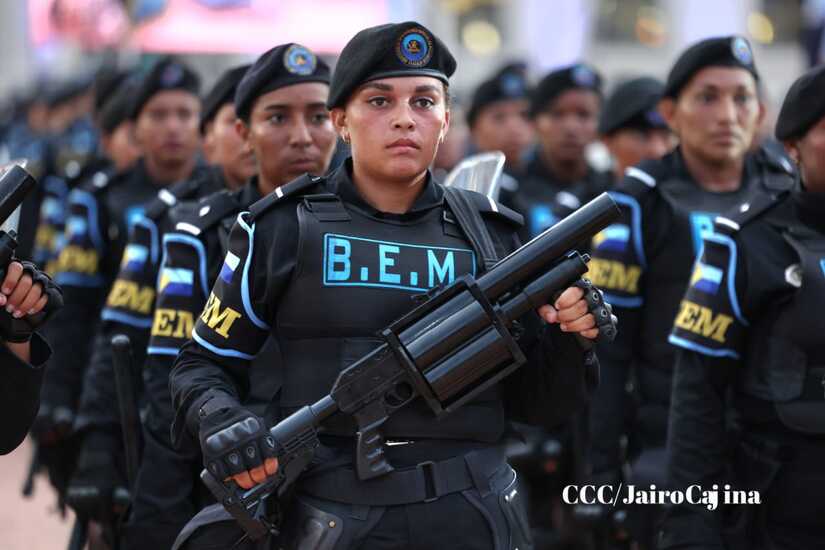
[(236, 445)]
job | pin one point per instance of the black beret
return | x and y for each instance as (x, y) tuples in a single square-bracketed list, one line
[(66, 91), (281, 66), (167, 74), (509, 83), (578, 76), (118, 106), (726, 51), (107, 81), (395, 49), (633, 105), (804, 105), (222, 92)]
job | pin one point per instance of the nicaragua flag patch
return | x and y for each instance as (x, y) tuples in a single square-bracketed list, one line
[(176, 281), (134, 257), (613, 238), (230, 264), (76, 227), (706, 278)]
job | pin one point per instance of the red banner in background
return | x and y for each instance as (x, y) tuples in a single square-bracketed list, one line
[(203, 26)]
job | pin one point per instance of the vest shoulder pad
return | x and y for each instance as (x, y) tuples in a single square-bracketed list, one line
[(492, 209), (732, 221), (101, 180), (169, 197), (195, 217), (295, 188), (644, 178), (776, 160)]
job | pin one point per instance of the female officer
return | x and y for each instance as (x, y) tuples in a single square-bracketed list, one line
[(751, 322), (321, 265)]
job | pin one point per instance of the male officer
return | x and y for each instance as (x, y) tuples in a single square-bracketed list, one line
[(388, 99), (168, 491), (165, 110), (129, 306), (749, 326), (499, 117), (631, 126), (643, 263), (565, 108)]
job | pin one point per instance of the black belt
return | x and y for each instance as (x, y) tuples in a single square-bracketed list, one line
[(424, 482)]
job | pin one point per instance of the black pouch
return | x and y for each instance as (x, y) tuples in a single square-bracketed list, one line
[(310, 528), (504, 508)]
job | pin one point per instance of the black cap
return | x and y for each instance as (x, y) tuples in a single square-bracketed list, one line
[(118, 106), (167, 74), (578, 76), (804, 105), (281, 66), (107, 80), (725, 51), (222, 92), (633, 105), (66, 91), (395, 49), (509, 83)]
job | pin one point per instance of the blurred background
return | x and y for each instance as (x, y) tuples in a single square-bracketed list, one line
[(48, 43), (47, 40)]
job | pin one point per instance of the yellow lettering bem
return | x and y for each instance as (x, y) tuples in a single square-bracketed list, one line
[(702, 321), (613, 275), (218, 320), (173, 323), (76, 259), (128, 295)]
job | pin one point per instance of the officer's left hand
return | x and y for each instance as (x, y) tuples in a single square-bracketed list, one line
[(581, 309), (29, 297), (20, 294)]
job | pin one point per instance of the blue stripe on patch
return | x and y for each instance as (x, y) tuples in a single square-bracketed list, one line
[(693, 346), (220, 351), (114, 315)]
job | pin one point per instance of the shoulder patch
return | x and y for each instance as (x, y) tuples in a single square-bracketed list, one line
[(618, 258), (710, 320), (296, 187)]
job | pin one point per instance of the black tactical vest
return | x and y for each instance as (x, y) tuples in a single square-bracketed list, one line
[(786, 348), (356, 274)]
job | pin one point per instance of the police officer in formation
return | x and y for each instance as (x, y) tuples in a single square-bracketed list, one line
[(128, 310), (499, 117), (557, 177), (644, 262), (749, 336), (303, 267), (631, 126), (281, 103), (165, 108)]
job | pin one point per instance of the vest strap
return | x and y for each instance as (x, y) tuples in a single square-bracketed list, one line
[(327, 207), (473, 226)]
